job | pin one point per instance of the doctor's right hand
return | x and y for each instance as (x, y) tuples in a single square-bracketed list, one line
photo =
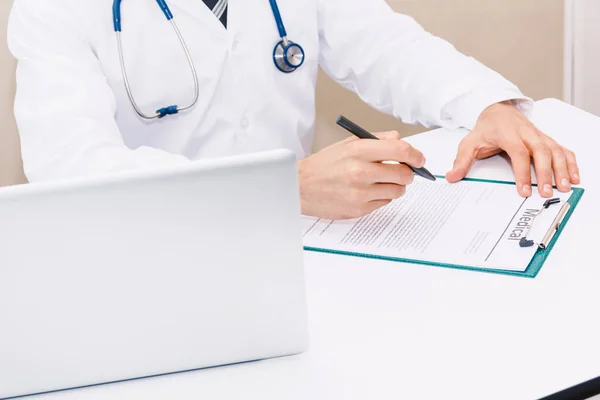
[(349, 179)]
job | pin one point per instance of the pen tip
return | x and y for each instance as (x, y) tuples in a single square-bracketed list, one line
[(427, 175)]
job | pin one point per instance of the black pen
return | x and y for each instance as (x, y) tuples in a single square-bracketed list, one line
[(363, 134)]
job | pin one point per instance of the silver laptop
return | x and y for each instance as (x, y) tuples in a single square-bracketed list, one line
[(147, 273)]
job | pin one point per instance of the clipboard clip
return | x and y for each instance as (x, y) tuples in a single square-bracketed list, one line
[(524, 242)]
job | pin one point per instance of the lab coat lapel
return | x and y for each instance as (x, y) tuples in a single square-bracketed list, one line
[(197, 10)]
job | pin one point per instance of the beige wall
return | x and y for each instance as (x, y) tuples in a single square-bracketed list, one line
[(10, 159), (522, 39)]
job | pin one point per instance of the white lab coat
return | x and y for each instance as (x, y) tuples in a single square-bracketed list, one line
[(75, 118)]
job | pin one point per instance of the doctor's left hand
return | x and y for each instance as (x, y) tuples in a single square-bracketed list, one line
[(503, 127)]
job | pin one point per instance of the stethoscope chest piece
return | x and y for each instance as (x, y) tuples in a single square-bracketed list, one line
[(288, 56)]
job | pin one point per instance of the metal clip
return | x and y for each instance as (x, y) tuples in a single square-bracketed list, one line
[(524, 242)]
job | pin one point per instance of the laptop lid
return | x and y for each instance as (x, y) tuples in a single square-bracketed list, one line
[(152, 272)]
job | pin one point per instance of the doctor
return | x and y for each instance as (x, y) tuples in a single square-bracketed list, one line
[(106, 86)]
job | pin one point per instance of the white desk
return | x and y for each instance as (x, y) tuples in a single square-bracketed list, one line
[(383, 330)]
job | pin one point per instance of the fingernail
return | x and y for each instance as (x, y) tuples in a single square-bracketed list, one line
[(575, 176), (565, 182), (548, 189), (527, 190), (423, 162)]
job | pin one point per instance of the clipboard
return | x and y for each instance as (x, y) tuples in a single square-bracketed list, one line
[(534, 266)]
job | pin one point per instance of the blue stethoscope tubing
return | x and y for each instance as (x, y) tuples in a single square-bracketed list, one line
[(287, 56)]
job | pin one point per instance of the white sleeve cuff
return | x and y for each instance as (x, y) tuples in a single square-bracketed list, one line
[(464, 111)]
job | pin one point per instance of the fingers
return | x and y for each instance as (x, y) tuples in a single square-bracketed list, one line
[(564, 164), (368, 198), (467, 151), (380, 181), (374, 205), (389, 173), (521, 162), (389, 135), (542, 158), (551, 159), (376, 184), (572, 167), (385, 192), (560, 167), (386, 150)]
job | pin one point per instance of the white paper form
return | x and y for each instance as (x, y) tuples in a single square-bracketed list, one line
[(470, 224)]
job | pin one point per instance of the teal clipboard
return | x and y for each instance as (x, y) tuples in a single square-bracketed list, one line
[(532, 270)]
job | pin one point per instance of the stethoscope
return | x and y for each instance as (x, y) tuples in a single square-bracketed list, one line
[(287, 56)]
